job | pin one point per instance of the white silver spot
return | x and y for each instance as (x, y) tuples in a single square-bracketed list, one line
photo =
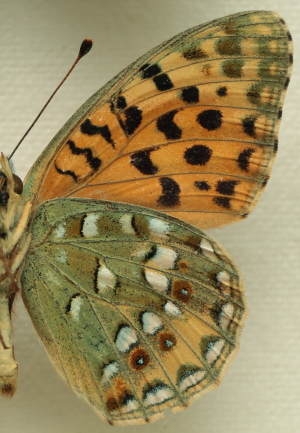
[(164, 258), (60, 231), (90, 227), (191, 379), (223, 278), (109, 372), (172, 309), (61, 256), (75, 307), (158, 395), (130, 406), (125, 222), (126, 339), (214, 351), (225, 283), (159, 228), (106, 280), (226, 315), (151, 323), (157, 280), (207, 249)]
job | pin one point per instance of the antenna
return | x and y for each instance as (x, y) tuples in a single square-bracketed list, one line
[(85, 47)]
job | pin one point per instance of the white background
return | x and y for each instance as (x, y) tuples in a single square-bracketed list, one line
[(38, 42)]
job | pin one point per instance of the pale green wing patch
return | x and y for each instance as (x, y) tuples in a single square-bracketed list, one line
[(137, 310)]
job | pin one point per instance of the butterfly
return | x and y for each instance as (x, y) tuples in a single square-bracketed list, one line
[(138, 309)]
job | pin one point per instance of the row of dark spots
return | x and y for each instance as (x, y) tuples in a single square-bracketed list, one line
[(197, 155), (189, 94), (224, 187), (208, 119), (161, 80)]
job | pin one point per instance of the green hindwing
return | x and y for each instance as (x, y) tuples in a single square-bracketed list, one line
[(136, 309)]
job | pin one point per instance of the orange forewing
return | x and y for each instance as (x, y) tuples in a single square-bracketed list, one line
[(189, 129)]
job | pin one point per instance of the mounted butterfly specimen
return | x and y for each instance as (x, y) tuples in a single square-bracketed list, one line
[(139, 310)]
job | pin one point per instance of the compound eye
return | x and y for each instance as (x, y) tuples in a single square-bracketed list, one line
[(4, 196), (18, 189)]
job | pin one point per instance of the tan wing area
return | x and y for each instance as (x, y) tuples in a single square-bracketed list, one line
[(190, 129)]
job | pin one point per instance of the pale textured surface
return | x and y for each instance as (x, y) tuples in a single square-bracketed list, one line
[(39, 40)]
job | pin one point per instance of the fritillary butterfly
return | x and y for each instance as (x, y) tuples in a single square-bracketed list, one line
[(139, 310)]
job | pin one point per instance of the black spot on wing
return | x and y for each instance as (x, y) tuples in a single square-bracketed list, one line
[(141, 160), (149, 71), (202, 185), (248, 125), (121, 103), (88, 128), (226, 187), (199, 154), (190, 95), (170, 192), (243, 158), (222, 91), (133, 119), (163, 82), (93, 161), (166, 124), (222, 202), (210, 119)]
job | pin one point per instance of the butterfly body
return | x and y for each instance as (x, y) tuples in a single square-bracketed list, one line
[(139, 310)]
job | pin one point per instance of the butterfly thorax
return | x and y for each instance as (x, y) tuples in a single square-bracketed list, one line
[(14, 213)]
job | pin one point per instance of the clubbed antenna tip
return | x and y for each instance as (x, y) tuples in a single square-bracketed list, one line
[(85, 47)]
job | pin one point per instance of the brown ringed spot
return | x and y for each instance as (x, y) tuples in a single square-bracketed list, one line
[(167, 341), (139, 359), (182, 291)]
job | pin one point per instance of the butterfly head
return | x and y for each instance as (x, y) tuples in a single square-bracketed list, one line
[(10, 184)]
